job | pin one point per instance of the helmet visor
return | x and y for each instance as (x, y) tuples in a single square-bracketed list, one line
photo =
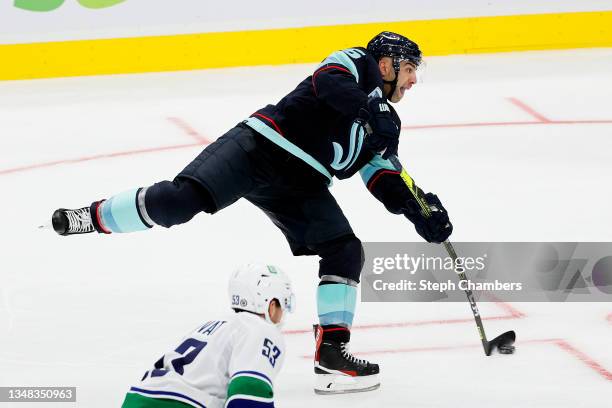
[(420, 70), (288, 302)]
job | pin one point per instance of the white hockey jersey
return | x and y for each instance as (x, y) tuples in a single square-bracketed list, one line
[(230, 363)]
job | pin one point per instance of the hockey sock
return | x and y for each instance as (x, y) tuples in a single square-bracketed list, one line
[(336, 304), (124, 212)]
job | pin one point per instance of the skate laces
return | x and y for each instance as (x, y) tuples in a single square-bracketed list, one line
[(79, 220), (344, 349)]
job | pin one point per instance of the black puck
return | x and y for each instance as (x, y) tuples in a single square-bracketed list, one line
[(506, 349)]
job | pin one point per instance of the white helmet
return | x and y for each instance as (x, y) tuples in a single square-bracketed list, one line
[(253, 286)]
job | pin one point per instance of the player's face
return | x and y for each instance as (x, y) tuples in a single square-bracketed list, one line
[(276, 312), (405, 79)]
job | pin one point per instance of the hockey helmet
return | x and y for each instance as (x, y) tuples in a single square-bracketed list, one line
[(396, 46), (254, 285)]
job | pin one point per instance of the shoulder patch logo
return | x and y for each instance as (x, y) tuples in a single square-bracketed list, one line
[(376, 93)]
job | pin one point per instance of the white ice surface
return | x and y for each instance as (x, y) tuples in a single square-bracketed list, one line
[(96, 311)]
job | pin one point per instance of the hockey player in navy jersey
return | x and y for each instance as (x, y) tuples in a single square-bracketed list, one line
[(231, 362), (337, 122)]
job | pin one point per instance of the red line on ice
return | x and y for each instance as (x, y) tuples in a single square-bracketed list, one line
[(526, 108), (432, 348), (96, 157), (491, 124), (200, 141), (580, 355), (506, 306), (407, 324), (560, 343), (189, 130), (205, 141), (609, 318), (512, 314)]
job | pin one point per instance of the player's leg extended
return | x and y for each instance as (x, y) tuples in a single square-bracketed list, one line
[(216, 178), (165, 203)]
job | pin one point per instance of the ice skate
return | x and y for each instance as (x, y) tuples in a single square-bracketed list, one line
[(70, 222), (337, 371)]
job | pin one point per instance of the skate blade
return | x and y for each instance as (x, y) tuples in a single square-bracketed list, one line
[(327, 384), (372, 388)]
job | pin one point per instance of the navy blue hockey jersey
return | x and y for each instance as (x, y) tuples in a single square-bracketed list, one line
[(317, 122)]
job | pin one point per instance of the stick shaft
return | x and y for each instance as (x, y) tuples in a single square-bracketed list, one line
[(416, 193)]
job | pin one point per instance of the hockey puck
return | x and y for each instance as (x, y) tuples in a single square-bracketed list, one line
[(506, 349)]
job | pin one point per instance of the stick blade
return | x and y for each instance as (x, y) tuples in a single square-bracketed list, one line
[(503, 343)]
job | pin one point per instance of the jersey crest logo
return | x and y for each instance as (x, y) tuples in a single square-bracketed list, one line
[(384, 107), (355, 143)]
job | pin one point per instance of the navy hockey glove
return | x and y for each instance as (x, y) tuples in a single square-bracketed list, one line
[(435, 228), (391, 190), (384, 137)]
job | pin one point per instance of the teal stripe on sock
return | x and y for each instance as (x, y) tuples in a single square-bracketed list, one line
[(337, 318), (107, 217), (120, 214), (336, 303)]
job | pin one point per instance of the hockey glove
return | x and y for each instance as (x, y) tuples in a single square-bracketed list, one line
[(435, 228), (391, 190), (384, 138)]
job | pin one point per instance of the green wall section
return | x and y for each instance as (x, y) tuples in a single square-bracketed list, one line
[(50, 5), (38, 5), (97, 4)]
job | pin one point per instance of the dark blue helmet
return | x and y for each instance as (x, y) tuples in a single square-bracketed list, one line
[(398, 47)]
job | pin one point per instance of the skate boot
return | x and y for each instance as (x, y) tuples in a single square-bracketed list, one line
[(70, 222), (337, 370)]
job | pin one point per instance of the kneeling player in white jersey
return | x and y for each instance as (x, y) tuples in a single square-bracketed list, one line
[(226, 363)]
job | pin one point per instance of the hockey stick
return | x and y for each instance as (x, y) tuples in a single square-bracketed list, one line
[(503, 342)]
